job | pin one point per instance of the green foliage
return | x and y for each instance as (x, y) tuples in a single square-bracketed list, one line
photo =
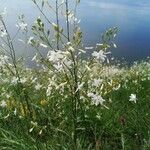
[(69, 102)]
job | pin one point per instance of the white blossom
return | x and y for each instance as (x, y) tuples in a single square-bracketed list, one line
[(96, 99), (58, 66), (38, 86), (67, 63), (97, 82), (15, 111), (3, 60), (101, 56), (23, 80), (80, 85), (34, 57), (133, 98), (30, 40), (70, 48), (3, 33), (14, 80), (3, 104), (43, 45), (22, 26), (55, 56), (89, 48), (48, 91)]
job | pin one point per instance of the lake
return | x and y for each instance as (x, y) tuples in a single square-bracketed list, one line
[(131, 18)]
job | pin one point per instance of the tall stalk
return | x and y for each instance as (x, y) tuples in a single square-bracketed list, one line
[(76, 94), (67, 20), (57, 21), (20, 87)]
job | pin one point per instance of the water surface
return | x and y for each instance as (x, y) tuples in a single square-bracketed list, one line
[(131, 17)]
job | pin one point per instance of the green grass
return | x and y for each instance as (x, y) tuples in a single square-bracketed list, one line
[(48, 122)]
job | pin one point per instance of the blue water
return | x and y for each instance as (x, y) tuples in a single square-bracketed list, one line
[(131, 17)]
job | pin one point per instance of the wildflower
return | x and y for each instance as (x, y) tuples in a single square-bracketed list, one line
[(133, 98), (30, 40), (34, 57), (61, 85), (43, 45), (34, 124), (79, 86), (3, 33), (117, 87), (70, 48), (58, 66), (98, 116), (22, 26), (33, 80), (3, 60), (96, 82), (14, 80), (38, 86), (3, 104), (72, 18), (67, 63), (99, 55), (68, 43), (96, 99), (49, 90), (8, 96), (88, 68), (22, 41), (82, 51), (55, 56), (15, 111), (23, 80), (115, 46), (89, 48)]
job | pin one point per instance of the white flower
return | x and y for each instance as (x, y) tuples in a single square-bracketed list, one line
[(3, 104), (115, 46), (33, 80), (3, 60), (58, 66), (89, 48), (34, 57), (48, 91), (133, 98), (96, 99), (70, 48), (22, 25), (30, 40), (8, 96), (55, 56), (79, 86), (43, 45), (99, 55), (38, 86), (3, 33), (22, 41), (72, 18), (67, 63), (14, 80), (15, 111), (97, 82), (23, 80), (61, 85)]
